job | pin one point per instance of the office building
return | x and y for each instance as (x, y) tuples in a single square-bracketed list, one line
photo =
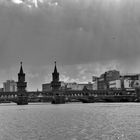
[(10, 86), (105, 78)]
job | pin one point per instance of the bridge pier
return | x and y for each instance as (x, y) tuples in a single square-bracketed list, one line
[(22, 100), (137, 94), (58, 98)]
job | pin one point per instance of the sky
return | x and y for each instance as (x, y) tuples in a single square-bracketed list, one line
[(85, 37)]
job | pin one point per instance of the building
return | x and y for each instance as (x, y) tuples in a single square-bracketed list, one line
[(112, 75), (130, 81), (1, 90), (116, 84), (71, 86), (68, 86), (127, 81), (101, 83), (94, 78), (46, 87), (95, 85), (131, 76), (63, 85), (105, 78), (76, 86), (131, 84), (88, 86), (136, 84), (10, 86)]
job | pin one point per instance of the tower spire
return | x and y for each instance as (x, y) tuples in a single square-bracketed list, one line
[(55, 68), (21, 69), (55, 84), (21, 79)]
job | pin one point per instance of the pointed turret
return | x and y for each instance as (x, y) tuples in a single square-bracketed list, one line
[(55, 68), (55, 84), (21, 84), (21, 69), (21, 74), (55, 74)]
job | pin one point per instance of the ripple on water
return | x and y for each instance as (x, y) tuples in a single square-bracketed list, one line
[(70, 122)]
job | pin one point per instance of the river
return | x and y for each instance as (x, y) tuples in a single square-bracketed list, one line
[(97, 121)]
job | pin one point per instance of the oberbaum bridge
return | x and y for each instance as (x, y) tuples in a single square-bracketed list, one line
[(58, 96)]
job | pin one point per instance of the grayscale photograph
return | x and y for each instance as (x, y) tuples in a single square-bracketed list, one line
[(69, 69)]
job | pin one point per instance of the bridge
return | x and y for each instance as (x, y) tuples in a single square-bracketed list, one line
[(73, 95), (22, 97)]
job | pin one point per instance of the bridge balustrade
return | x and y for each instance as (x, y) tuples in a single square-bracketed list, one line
[(8, 96), (14, 96), (2, 96)]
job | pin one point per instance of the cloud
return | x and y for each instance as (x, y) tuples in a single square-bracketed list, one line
[(68, 79), (73, 32)]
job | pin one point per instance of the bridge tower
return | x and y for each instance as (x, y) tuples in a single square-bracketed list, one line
[(58, 97), (22, 98), (55, 84)]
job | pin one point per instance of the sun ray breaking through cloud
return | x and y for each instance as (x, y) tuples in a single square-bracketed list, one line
[(75, 32)]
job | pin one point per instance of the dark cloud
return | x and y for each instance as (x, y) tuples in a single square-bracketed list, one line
[(73, 32)]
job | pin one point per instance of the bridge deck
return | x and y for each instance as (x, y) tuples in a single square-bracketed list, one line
[(105, 95)]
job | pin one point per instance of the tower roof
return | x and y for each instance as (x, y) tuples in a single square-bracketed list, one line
[(21, 69), (55, 68)]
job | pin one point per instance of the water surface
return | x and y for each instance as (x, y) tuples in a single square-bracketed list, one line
[(97, 121)]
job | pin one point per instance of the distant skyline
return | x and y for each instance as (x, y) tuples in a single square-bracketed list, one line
[(85, 37)]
